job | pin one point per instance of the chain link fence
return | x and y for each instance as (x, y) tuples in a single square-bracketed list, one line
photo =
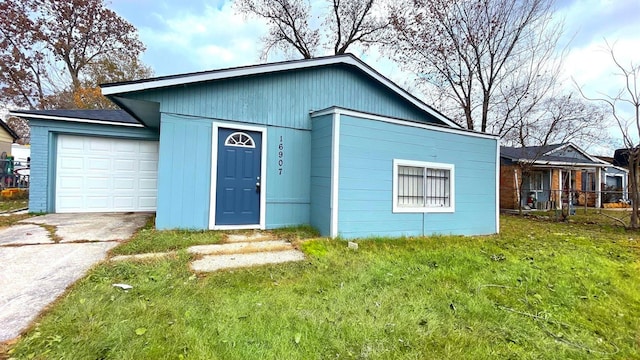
[(536, 199), (14, 174)]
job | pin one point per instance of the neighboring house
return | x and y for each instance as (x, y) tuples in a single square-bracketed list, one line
[(549, 177), (328, 142), (7, 137), (614, 181)]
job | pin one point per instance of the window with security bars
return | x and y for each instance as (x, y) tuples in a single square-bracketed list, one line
[(423, 187)]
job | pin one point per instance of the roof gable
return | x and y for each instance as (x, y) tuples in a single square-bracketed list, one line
[(8, 130), (121, 92), (560, 154)]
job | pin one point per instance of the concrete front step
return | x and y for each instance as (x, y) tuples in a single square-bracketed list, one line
[(256, 236), (211, 263), (147, 256), (240, 247)]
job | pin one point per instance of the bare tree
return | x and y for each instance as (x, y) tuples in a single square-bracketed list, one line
[(292, 27), (46, 46), (624, 107), (490, 58), (558, 119)]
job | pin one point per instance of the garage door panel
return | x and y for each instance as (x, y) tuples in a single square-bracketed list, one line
[(98, 164), (123, 184), (97, 183), (126, 147), (98, 145), (124, 202), (148, 165), (148, 202), (147, 184), (71, 163), (97, 202), (105, 174), (66, 144), (69, 183), (125, 164)]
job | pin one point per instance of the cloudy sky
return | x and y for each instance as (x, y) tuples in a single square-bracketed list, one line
[(196, 35)]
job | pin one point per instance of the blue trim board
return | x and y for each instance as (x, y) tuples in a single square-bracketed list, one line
[(43, 154), (321, 136)]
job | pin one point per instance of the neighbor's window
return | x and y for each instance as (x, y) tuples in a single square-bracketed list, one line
[(588, 181), (422, 186)]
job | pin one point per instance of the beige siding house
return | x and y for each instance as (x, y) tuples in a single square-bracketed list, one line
[(7, 137)]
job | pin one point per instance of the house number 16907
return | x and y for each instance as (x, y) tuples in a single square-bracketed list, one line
[(280, 156)]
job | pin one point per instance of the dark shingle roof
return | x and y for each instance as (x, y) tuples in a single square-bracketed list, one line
[(537, 153), (529, 152), (113, 116), (9, 130)]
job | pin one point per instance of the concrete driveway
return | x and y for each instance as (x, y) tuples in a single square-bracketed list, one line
[(41, 256)]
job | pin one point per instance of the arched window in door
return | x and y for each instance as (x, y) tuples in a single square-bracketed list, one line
[(240, 139)]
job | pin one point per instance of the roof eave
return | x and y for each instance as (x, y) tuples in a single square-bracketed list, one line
[(560, 163), (110, 90), (71, 119), (9, 130)]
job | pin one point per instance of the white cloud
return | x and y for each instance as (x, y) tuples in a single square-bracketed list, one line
[(592, 66), (215, 38), (201, 35)]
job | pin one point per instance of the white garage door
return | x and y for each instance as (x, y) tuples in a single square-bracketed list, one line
[(95, 174)]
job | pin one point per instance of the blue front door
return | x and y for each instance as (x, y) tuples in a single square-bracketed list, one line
[(238, 177)]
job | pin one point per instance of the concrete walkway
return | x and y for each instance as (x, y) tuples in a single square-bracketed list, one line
[(237, 251), (41, 256)]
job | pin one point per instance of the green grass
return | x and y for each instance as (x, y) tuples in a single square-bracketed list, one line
[(10, 205), (605, 217), (12, 219), (150, 240), (539, 290)]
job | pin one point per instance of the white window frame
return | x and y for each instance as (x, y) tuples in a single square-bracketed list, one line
[(227, 142), (424, 209)]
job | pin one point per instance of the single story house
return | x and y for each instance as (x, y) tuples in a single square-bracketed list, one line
[(327, 141), (7, 137), (549, 177)]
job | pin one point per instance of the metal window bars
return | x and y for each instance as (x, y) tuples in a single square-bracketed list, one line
[(423, 187)]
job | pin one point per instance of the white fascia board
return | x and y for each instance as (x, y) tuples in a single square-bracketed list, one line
[(619, 168), (335, 175), (64, 118), (275, 67), (218, 75), (561, 164), (354, 113), (497, 186)]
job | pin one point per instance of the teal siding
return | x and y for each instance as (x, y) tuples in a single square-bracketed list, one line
[(184, 188), (39, 179), (321, 149), (288, 194), (184, 173), (283, 99), (43, 154), (367, 150)]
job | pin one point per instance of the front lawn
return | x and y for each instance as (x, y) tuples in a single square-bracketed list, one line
[(539, 290), (11, 205)]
